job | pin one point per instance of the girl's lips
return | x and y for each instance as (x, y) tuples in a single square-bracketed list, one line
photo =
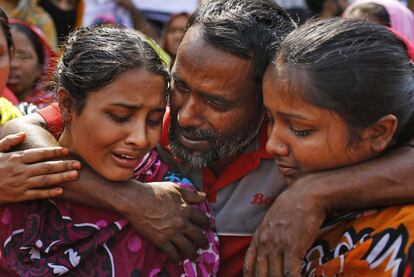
[(286, 170), (124, 162)]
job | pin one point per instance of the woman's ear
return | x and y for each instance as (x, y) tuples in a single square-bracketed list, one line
[(381, 133), (65, 105)]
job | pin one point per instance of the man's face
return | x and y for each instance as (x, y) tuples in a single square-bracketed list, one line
[(216, 107)]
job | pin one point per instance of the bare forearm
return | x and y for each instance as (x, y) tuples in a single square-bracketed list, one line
[(384, 181), (36, 135), (142, 25), (93, 190)]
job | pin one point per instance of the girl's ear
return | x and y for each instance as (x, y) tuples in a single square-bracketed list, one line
[(380, 134), (65, 105)]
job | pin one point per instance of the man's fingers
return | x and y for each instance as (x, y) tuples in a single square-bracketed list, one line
[(276, 265), (196, 235), (291, 264), (169, 250), (40, 154), (250, 260), (52, 167), (10, 141), (52, 179), (41, 194), (198, 218), (184, 246), (190, 196), (262, 266)]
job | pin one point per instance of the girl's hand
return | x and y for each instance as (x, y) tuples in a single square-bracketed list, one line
[(25, 175)]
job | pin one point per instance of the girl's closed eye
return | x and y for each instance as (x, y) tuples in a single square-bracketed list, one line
[(119, 118), (155, 121), (300, 132)]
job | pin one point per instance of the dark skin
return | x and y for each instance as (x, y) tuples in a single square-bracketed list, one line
[(169, 221)]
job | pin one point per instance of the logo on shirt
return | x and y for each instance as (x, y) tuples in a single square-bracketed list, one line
[(261, 199)]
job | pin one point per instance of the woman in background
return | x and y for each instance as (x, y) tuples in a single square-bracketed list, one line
[(31, 63), (390, 13), (173, 33)]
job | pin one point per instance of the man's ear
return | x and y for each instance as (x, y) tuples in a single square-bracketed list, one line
[(65, 105), (381, 133)]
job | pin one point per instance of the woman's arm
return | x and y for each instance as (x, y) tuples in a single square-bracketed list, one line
[(161, 212), (299, 211)]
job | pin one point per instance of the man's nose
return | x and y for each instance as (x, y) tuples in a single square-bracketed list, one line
[(190, 114)]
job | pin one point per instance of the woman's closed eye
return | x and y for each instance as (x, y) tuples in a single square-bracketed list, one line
[(300, 132), (119, 118), (154, 122)]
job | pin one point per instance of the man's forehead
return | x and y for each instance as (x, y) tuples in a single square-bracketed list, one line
[(195, 53)]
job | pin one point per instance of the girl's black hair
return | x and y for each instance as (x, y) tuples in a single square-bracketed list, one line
[(357, 69), (95, 56)]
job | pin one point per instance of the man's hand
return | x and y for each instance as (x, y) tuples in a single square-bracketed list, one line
[(24, 175), (286, 233), (162, 213)]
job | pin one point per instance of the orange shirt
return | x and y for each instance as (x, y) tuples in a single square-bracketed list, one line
[(372, 243)]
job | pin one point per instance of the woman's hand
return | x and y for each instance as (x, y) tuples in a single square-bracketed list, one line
[(25, 175), (286, 233)]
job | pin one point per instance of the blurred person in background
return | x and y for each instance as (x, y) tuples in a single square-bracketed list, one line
[(390, 13), (173, 33), (66, 14), (30, 63), (32, 13), (24, 174), (327, 8)]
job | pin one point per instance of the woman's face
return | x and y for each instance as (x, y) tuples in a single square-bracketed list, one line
[(119, 124), (304, 138), (25, 68), (4, 61), (175, 33)]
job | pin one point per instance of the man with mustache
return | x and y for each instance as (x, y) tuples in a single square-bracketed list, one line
[(217, 134)]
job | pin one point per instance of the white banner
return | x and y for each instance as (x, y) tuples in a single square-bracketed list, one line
[(169, 6), (107, 11)]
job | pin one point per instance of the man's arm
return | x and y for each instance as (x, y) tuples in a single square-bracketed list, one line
[(292, 223), (139, 21), (161, 212)]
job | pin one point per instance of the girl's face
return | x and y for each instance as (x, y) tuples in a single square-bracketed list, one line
[(4, 61), (25, 67), (304, 138), (119, 123), (175, 33)]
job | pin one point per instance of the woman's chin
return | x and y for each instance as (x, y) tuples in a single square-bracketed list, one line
[(118, 175)]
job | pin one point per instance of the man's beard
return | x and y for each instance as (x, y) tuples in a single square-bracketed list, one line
[(221, 146)]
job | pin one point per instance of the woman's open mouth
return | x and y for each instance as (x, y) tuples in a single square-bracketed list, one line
[(125, 160)]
